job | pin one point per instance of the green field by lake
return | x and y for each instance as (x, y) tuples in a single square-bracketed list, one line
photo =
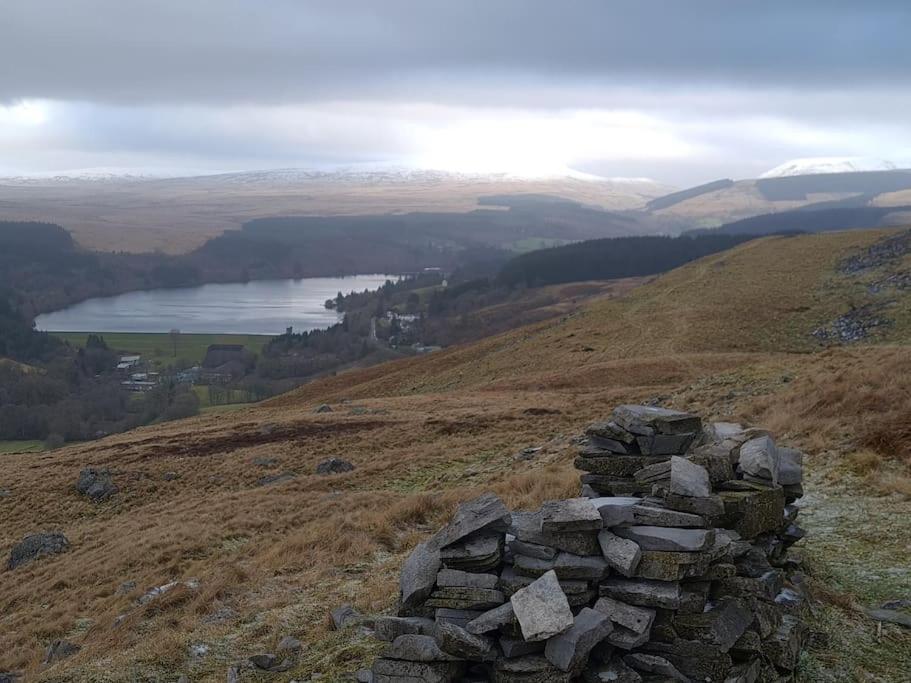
[(21, 447), (158, 348)]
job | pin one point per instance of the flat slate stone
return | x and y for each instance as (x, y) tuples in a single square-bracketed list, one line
[(572, 514), (651, 515), (569, 650), (689, 479), (721, 626), (668, 539), (587, 567), (658, 420), (492, 619), (616, 510), (541, 608), (759, 458), (672, 565), (516, 647), (417, 648), (419, 575), (459, 617), (613, 486), (466, 598), (754, 512), (618, 466), (401, 671), (543, 552), (526, 526), (716, 459), (610, 430), (528, 669), (643, 592), (710, 507), (615, 671), (456, 578), (459, 642), (486, 510), (890, 616), (656, 472), (389, 628), (621, 554), (632, 625), (655, 665), (665, 444)]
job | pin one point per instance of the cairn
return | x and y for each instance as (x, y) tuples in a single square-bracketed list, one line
[(672, 566)]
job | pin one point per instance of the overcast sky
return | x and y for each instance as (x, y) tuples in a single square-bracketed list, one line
[(680, 91)]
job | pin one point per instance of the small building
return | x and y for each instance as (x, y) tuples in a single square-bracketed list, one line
[(128, 362)]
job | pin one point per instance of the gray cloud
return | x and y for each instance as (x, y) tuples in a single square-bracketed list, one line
[(220, 51)]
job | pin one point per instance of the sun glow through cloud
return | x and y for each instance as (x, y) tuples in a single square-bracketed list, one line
[(24, 113)]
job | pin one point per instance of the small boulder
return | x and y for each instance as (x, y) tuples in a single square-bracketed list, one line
[(60, 649), (323, 408), (689, 479), (759, 458), (345, 616), (569, 650), (418, 576), (37, 545), (96, 484), (334, 466), (289, 644)]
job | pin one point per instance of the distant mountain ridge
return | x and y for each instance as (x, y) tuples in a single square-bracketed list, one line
[(818, 165)]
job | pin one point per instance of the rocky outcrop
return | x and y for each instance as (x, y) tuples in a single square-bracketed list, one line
[(334, 466), (37, 545), (674, 565), (96, 484)]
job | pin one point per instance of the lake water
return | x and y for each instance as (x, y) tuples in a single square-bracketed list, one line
[(262, 307)]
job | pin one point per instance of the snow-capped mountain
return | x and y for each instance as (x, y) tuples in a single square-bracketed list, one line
[(817, 165)]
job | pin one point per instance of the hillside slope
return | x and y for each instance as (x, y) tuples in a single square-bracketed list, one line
[(200, 500)]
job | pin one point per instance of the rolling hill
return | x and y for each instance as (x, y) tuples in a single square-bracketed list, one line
[(227, 505)]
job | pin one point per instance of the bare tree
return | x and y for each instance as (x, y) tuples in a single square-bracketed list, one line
[(174, 335)]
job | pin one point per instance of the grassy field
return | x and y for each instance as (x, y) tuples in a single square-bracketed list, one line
[(21, 447), (158, 348), (728, 337)]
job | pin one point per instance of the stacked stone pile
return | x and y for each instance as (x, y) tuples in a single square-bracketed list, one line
[(672, 566)]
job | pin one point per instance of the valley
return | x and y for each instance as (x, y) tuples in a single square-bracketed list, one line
[(729, 336)]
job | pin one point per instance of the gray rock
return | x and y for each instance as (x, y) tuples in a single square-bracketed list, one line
[(419, 574), (528, 669), (492, 619), (617, 466), (667, 539), (455, 578), (466, 598), (233, 675), (621, 554), (516, 647), (334, 466), (60, 649), (265, 462), (485, 511), (542, 609), (615, 671), (643, 592), (716, 459), (96, 484), (573, 514), (651, 515), (655, 665), (617, 510), (459, 617), (270, 479), (759, 458), (645, 420), (890, 616), (37, 545), (746, 672), (323, 408), (711, 507), (479, 552), (790, 466), (665, 444), (569, 650), (270, 662), (542, 552), (783, 647), (611, 430), (689, 479), (632, 625), (364, 676), (389, 628), (345, 616), (401, 671), (459, 642), (526, 526), (586, 567), (532, 566), (722, 625), (289, 644), (417, 648)]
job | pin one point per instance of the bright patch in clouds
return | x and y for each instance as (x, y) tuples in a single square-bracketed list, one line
[(24, 113)]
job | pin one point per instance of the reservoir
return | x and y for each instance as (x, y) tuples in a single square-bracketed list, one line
[(261, 307)]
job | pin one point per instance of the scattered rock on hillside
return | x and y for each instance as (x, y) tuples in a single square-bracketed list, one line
[(323, 408), (96, 484), (289, 644), (37, 545), (270, 662), (334, 466), (60, 649), (170, 476), (265, 462), (5, 493), (275, 479), (890, 616), (345, 616), (9, 677)]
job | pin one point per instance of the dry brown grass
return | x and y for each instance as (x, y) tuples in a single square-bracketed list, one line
[(438, 430)]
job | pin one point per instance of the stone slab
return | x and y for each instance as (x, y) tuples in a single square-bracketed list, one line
[(541, 608)]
